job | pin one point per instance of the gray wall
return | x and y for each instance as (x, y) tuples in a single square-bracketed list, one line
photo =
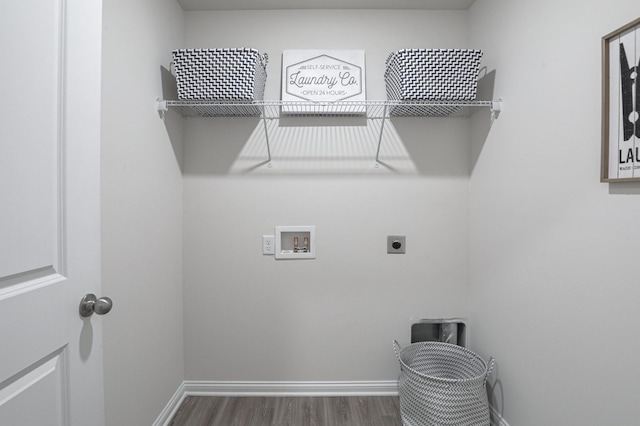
[(250, 317), (547, 249), (141, 213), (554, 292)]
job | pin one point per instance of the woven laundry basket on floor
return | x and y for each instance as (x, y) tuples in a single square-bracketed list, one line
[(442, 384)]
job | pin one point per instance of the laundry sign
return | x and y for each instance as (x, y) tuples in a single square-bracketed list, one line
[(621, 104), (323, 77)]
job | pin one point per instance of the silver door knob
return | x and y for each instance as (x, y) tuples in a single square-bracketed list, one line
[(90, 304)]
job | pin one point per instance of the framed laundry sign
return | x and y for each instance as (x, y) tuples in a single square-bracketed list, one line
[(621, 104), (321, 79)]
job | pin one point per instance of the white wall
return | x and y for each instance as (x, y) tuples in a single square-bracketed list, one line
[(551, 252), (250, 317), (141, 213), (553, 284)]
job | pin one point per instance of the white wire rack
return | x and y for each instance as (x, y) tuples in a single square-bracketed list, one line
[(368, 109), (382, 110)]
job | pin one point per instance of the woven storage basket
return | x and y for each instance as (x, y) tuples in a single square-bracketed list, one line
[(431, 75), (442, 384), (224, 75)]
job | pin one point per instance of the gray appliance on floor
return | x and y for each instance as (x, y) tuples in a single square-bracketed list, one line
[(451, 330)]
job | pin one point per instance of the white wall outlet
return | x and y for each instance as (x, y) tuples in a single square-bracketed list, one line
[(268, 244)]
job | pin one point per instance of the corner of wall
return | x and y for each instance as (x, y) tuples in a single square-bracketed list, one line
[(141, 212)]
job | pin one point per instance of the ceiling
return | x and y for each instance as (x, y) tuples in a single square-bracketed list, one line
[(324, 4)]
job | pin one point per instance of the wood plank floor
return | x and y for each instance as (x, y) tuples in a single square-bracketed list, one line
[(288, 411)]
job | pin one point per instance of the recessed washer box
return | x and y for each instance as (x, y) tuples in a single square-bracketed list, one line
[(295, 242)]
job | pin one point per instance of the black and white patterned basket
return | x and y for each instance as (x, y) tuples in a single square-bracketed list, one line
[(221, 75), (431, 75), (442, 384)]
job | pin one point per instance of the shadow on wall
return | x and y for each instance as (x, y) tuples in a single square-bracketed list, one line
[(495, 395), (239, 146), (172, 120), (303, 145), (624, 188), (482, 119), (327, 146)]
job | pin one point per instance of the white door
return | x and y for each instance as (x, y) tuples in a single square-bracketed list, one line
[(50, 357)]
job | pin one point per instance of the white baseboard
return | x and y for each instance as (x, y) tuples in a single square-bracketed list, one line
[(363, 388), (232, 388), (172, 406), (496, 418)]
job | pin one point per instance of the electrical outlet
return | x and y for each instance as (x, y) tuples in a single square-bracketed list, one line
[(396, 244), (268, 244)]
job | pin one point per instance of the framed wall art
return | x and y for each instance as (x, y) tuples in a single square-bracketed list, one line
[(621, 104)]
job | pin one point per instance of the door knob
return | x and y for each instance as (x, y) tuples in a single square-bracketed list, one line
[(90, 304)]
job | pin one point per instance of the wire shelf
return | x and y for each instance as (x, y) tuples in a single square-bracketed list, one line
[(366, 109), (382, 110)]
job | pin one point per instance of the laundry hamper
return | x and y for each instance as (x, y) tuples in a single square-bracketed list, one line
[(431, 75), (442, 384), (224, 77)]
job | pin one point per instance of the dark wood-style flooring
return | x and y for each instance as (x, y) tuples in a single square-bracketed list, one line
[(288, 411)]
